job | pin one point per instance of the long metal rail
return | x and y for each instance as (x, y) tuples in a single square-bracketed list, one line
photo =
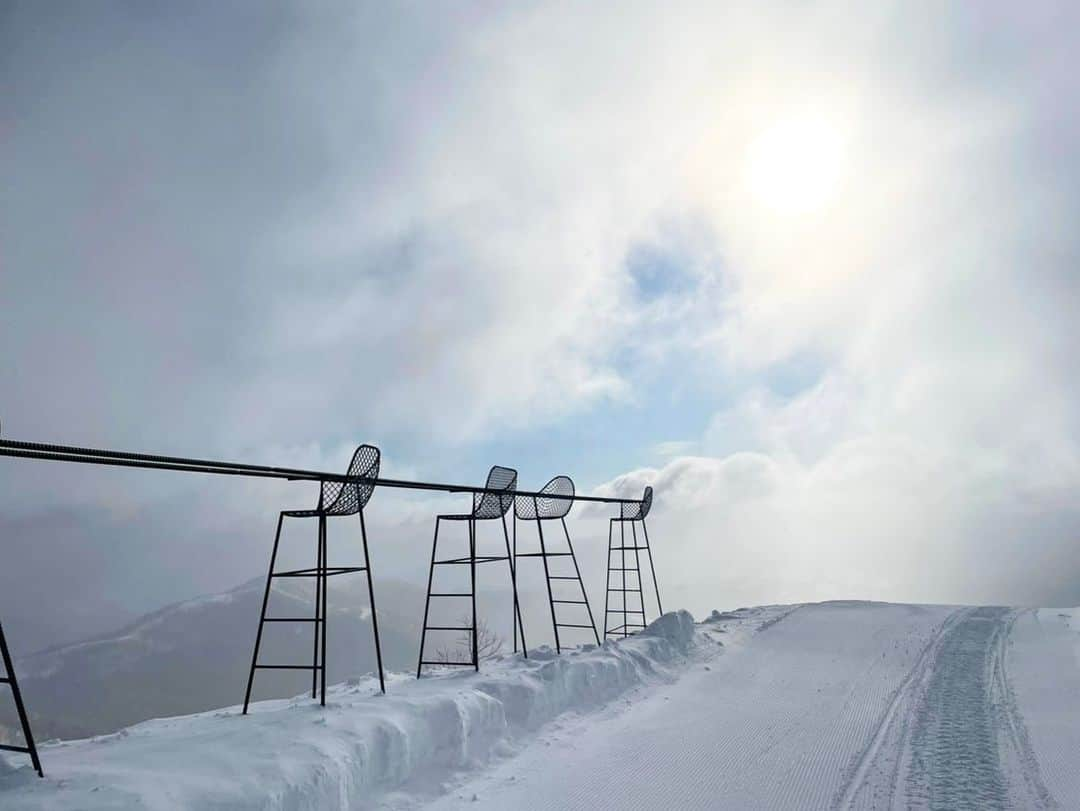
[(98, 456)]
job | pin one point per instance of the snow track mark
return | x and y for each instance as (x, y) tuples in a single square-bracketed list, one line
[(956, 752), (863, 787)]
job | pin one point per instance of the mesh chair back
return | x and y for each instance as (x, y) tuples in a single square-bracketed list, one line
[(530, 508), (348, 498), (495, 505), (639, 509)]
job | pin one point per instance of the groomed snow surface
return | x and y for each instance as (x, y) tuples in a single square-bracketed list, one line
[(831, 705)]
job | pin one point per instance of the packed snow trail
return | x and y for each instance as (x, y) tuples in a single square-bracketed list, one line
[(840, 705), (778, 723)]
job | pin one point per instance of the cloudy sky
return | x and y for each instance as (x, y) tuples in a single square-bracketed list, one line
[(811, 269)]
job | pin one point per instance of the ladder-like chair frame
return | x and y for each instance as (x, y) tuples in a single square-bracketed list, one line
[(490, 505), (9, 679), (539, 509), (336, 498), (630, 514)]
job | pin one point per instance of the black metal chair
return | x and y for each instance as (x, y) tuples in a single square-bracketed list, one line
[(492, 504), (540, 509), (631, 514), (336, 498)]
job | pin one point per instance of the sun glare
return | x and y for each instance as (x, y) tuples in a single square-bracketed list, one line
[(796, 165)]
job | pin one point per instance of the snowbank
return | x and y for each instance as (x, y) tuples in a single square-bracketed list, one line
[(296, 755)]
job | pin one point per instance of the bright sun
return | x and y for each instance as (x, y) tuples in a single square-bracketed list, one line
[(796, 166)]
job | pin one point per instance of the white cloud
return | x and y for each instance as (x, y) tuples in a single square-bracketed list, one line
[(417, 225)]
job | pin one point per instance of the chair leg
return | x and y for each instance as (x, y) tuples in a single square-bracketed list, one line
[(513, 555), (577, 570), (656, 586), (318, 612), (371, 597), (622, 551), (322, 574), (262, 613), (547, 579), (20, 707), (513, 585), (637, 566), (472, 583), (607, 577), (427, 603)]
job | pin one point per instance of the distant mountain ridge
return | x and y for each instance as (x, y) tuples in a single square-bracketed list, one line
[(194, 655)]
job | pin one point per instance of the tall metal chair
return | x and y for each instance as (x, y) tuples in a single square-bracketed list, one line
[(631, 514), (28, 737), (336, 499), (490, 505), (540, 509)]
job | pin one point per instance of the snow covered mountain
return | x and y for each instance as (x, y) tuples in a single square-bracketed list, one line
[(831, 705), (194, 656)]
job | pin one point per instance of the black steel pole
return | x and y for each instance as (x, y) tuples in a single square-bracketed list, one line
[(656, 585), (262, 613), (584, 594), (371, 596), (20, 708), (607, 577), (325, 584), (514, 554), (640, 582), (513, 584), (64, 453), (427, 603), (547, 575), (472, 572)]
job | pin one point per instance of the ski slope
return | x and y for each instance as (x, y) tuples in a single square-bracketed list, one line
[(831, 705)]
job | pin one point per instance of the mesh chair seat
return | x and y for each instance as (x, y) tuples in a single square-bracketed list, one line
[(530, 508), (346, 498), (495, 505), (639, 509)]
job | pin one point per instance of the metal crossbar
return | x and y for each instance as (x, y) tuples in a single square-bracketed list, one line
[(98, 456), (292, 619), (477, 559)]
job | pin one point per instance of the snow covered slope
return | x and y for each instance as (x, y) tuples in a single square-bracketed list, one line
[(833, 705)]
